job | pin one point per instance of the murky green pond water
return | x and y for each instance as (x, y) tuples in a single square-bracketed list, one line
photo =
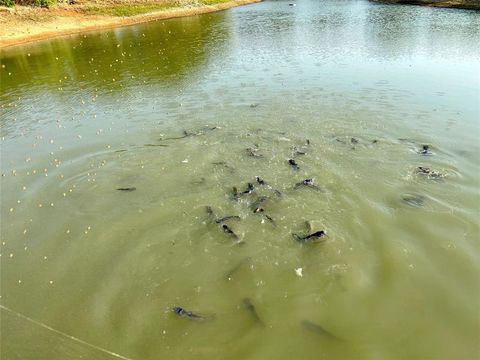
[(396, 277)]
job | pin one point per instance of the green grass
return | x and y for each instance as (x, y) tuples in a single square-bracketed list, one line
[(213, 2), (129, 9), (44, 3), (136, 9), (7, 3), (35, 3), (120, 9)]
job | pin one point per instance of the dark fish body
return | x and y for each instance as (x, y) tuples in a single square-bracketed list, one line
[(181, 312), (262, 182), (209, 211), (195, 133), (352, 142), (256, 204), (302, 150), (248, 305), (226, 218), (311, 326), (313, 237), (413, 199), (423, 170), (185, 134), (229, 231), (127, 189), (249, 189), (211, 216), (257, 209), (210, 128), (266, 216), (269, 218), (432, 174), (161, 145), (308, 183), (294, 164), (253, 152), (221, 221), (236, 194), (425, 150)]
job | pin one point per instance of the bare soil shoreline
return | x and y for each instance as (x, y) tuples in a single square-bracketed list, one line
[(24, 24)]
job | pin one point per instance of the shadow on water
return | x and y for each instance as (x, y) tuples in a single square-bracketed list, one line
[(165, 53)]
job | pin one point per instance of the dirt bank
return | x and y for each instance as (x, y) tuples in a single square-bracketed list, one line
[(23, 24)]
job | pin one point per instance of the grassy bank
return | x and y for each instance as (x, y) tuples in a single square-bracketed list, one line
[(132, 8), (25, 23), (129, 9), (110, 7)]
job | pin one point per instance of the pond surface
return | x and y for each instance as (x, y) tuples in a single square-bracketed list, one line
[(187, 109)]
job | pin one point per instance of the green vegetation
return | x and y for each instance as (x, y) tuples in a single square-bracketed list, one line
[(130, 9), (7, 3), (44, 3), (36, 3), (212, 2), (119, 9)]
